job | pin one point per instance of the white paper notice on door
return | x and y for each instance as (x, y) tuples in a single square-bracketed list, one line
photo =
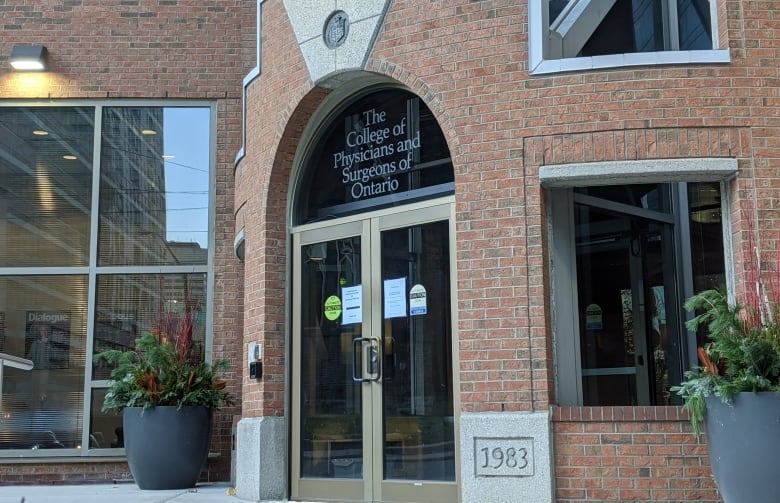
[(352, 303), (395, 298)]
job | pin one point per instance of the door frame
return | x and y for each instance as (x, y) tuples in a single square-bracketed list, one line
[(372, 487)]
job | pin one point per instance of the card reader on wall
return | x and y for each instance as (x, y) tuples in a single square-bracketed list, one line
[(256, 370), (255, 357)]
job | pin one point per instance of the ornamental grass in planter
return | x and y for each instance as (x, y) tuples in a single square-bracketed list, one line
[(735, 393), (166, 393)]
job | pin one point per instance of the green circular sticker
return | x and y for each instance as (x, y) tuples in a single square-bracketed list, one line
[(333, 307)]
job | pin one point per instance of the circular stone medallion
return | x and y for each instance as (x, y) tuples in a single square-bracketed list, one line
[(336, 29)]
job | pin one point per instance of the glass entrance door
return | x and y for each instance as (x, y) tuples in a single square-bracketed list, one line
[(625, 280), (373, 395)]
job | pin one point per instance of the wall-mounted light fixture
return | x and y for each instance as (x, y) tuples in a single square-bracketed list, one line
[(29, 57)]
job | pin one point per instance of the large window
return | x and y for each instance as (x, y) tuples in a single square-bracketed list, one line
[(581, 34), (626, 257), (95, 250)]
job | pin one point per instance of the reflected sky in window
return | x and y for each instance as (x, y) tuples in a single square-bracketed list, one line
[(186, 155)]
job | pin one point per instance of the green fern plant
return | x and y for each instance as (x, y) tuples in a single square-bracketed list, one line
[(163, 370), (742, 355)]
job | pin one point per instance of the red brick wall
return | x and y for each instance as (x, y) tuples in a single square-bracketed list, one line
[(629, 454), (279, 103), (469, 62), (153, 49), (64, 473)]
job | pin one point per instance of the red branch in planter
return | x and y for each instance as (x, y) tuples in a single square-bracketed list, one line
[(761, 301), (176, 329)]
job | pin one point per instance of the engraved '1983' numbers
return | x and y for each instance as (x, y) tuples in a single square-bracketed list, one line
[(509, 457), (504, 456)]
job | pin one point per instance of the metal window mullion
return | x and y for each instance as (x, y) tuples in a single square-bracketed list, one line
[(684, 263), (566, 330), (212, 215), (43, 271), (91, 281), (714, 29), (671, 25), (152, 269), (624, 209), (640, 318)]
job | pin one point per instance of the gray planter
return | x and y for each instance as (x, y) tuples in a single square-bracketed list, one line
[(743, 439), (166, 448)]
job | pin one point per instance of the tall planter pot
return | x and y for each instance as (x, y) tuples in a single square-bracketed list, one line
[(743, 439), (166, 448)]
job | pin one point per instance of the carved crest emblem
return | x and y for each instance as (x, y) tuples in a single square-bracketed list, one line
[(336, 29)]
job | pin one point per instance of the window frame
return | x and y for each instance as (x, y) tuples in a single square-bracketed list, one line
[(540, 63), (92, 270), (559, 181)]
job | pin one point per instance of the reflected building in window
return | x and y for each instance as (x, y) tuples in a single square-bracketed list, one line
[(132, 225)]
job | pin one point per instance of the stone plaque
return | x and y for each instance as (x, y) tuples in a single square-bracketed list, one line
[(336, 29), (504, 457)]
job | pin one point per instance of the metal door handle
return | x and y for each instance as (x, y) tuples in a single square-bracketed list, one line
[(374, 368), (374, 363), (357, 359)]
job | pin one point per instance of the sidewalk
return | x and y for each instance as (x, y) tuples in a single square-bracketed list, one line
[(118, 493)]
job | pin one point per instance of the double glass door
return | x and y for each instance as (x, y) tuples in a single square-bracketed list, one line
[(372, 350)]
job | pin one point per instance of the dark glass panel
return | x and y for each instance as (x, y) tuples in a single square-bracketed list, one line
[(627, 290), (628, 27), (609, 390), (633, 26), (331, 400), (555, 8), (708, 260), (656, 197), (382, 150), (46, 186), (694, 24), (105, 429), (416, 365)]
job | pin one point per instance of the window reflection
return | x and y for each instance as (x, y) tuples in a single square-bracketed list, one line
[(43, 319), (706, 241), (154, 186), (629, 26), (656, 197), (632, 335), (153, 210), (45, 198), (105, 430), (131, 305)]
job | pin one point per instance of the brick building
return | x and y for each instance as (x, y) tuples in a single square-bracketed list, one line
[(103, 232), (459, 234)]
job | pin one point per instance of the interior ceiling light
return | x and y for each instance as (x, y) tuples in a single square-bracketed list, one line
[(165, 156), (70, 157), (40, 132), (28, 57), (148, 131)]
